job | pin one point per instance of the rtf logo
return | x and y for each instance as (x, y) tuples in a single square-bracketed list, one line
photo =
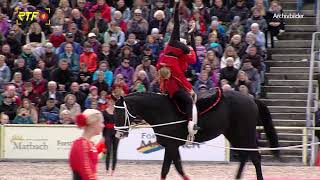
[(40, 16)]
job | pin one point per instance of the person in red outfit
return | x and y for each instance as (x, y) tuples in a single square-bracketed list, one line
[(172, 66), (104, 8), (89, 58), (57, 37), (83, 156)]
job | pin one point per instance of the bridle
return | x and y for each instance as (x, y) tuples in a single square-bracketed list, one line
[(127, 116)]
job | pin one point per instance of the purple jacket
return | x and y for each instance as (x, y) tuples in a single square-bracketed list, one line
[(127, 74), (4, 26)]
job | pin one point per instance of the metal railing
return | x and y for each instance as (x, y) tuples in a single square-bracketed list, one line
[(317, 9)]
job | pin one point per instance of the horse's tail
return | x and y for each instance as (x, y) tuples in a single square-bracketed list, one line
[(271, 133)]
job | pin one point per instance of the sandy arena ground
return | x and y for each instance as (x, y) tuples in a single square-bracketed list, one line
[(151, 171)]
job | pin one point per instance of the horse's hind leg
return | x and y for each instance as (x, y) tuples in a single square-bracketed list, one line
[(166, 164), (243, 156), (177, 162), (256, 160)]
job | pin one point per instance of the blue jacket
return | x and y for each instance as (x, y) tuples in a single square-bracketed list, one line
[(108, 77), (73, 61)]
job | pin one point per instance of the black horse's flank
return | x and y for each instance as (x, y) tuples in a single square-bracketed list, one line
[(235, 117)]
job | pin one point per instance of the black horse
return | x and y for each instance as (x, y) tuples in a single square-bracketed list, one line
[(235, 116)]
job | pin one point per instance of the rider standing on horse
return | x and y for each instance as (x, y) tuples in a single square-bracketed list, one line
[(172, 66)]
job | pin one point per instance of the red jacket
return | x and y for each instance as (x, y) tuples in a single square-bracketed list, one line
[(178, 66), (83, 159), (56, 40), (90, 59), (105, 11), (39, 88)]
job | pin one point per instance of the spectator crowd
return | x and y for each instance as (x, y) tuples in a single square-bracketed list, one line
[(80, 52)]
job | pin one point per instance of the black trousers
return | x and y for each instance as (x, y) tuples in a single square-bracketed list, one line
[(76, 176), (111, 143), (184, 101)]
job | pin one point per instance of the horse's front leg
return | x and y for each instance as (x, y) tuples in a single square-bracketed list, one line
[(166, 164)]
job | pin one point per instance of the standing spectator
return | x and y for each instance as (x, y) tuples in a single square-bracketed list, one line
[(5, 73), (116, 32), (35, 36), (62, 75), (203, 80), (39, 84), (100, 82), (105, 10), (20, 66), (80, 20), (229, 72), (108, 75), (52, 93), (49, 114), (72, 58), (98, 22), (253, 76), (121, 6), (126, 70), (10, 57), (80, 96), (8, 107), (230, 52), (70, 104), (57, 37), (29, 58), (138, 25), (240, 10), (276, 24), (89, 57)]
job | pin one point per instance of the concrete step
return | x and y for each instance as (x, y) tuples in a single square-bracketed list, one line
[(301, 28), (289, 122), (287, 109), (296, 159), (287, 89), (306, 13), (289, 63), (291, 82), (296, 36), (297, 96), (285, 102), (291, 69), (293, 5), (285, 143), (295, 152), (301, 21), (290, 57), (289, 116), (285, 136), (275, 51), (293, 44), (289, 76)]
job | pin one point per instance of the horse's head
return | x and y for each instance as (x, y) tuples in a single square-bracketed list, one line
[(124, 117)]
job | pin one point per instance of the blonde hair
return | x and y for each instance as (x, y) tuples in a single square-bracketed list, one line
[(164, 73), (92, 115)]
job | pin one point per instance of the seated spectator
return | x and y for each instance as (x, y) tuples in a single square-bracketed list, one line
[(80, 96), (35, 36), (201, 50), (70, 38), (138, 86), (8, 106), (121, 6), (260, 37), (29, 58), (243, 89), (218, 31), (126, 70), (114, 48), (235, 28), (153, 45), (138, 25), (229, 72), (212, 60), (203, 80), (89, 57), (119, 83), (221, 11), (276, 24), (45, 71), (17, 82), (261, 6), (230, 52), (70, 104), (159, 22), (240, 10), (253, 76), (28, 93), (22, 117), (58, 18), (65, 7), (105, 10), (98, 22), (242, 79), (158, 38), (103, 101), (120, 21), (62, 75), (93, 96), (93, 41), (52, 93), (146, 66), (10, 57), (57, 37), (31, 109), (80, 20), (79, 36), (49, 57), (4, 119), (211, 73), (107, 55), (226, 88), (65, 117), (84, 78), (143, 78), (256, 59), (257, 18), (100, 82), (201, 27), (147, 53), (108, 75), (14, 39), (72, 58), (38, 82), (4, 25), (214, 45), (155, 85), (5, 73), (116, 32), (21, 67), (134, 44), (49, 114), (238, 45)]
